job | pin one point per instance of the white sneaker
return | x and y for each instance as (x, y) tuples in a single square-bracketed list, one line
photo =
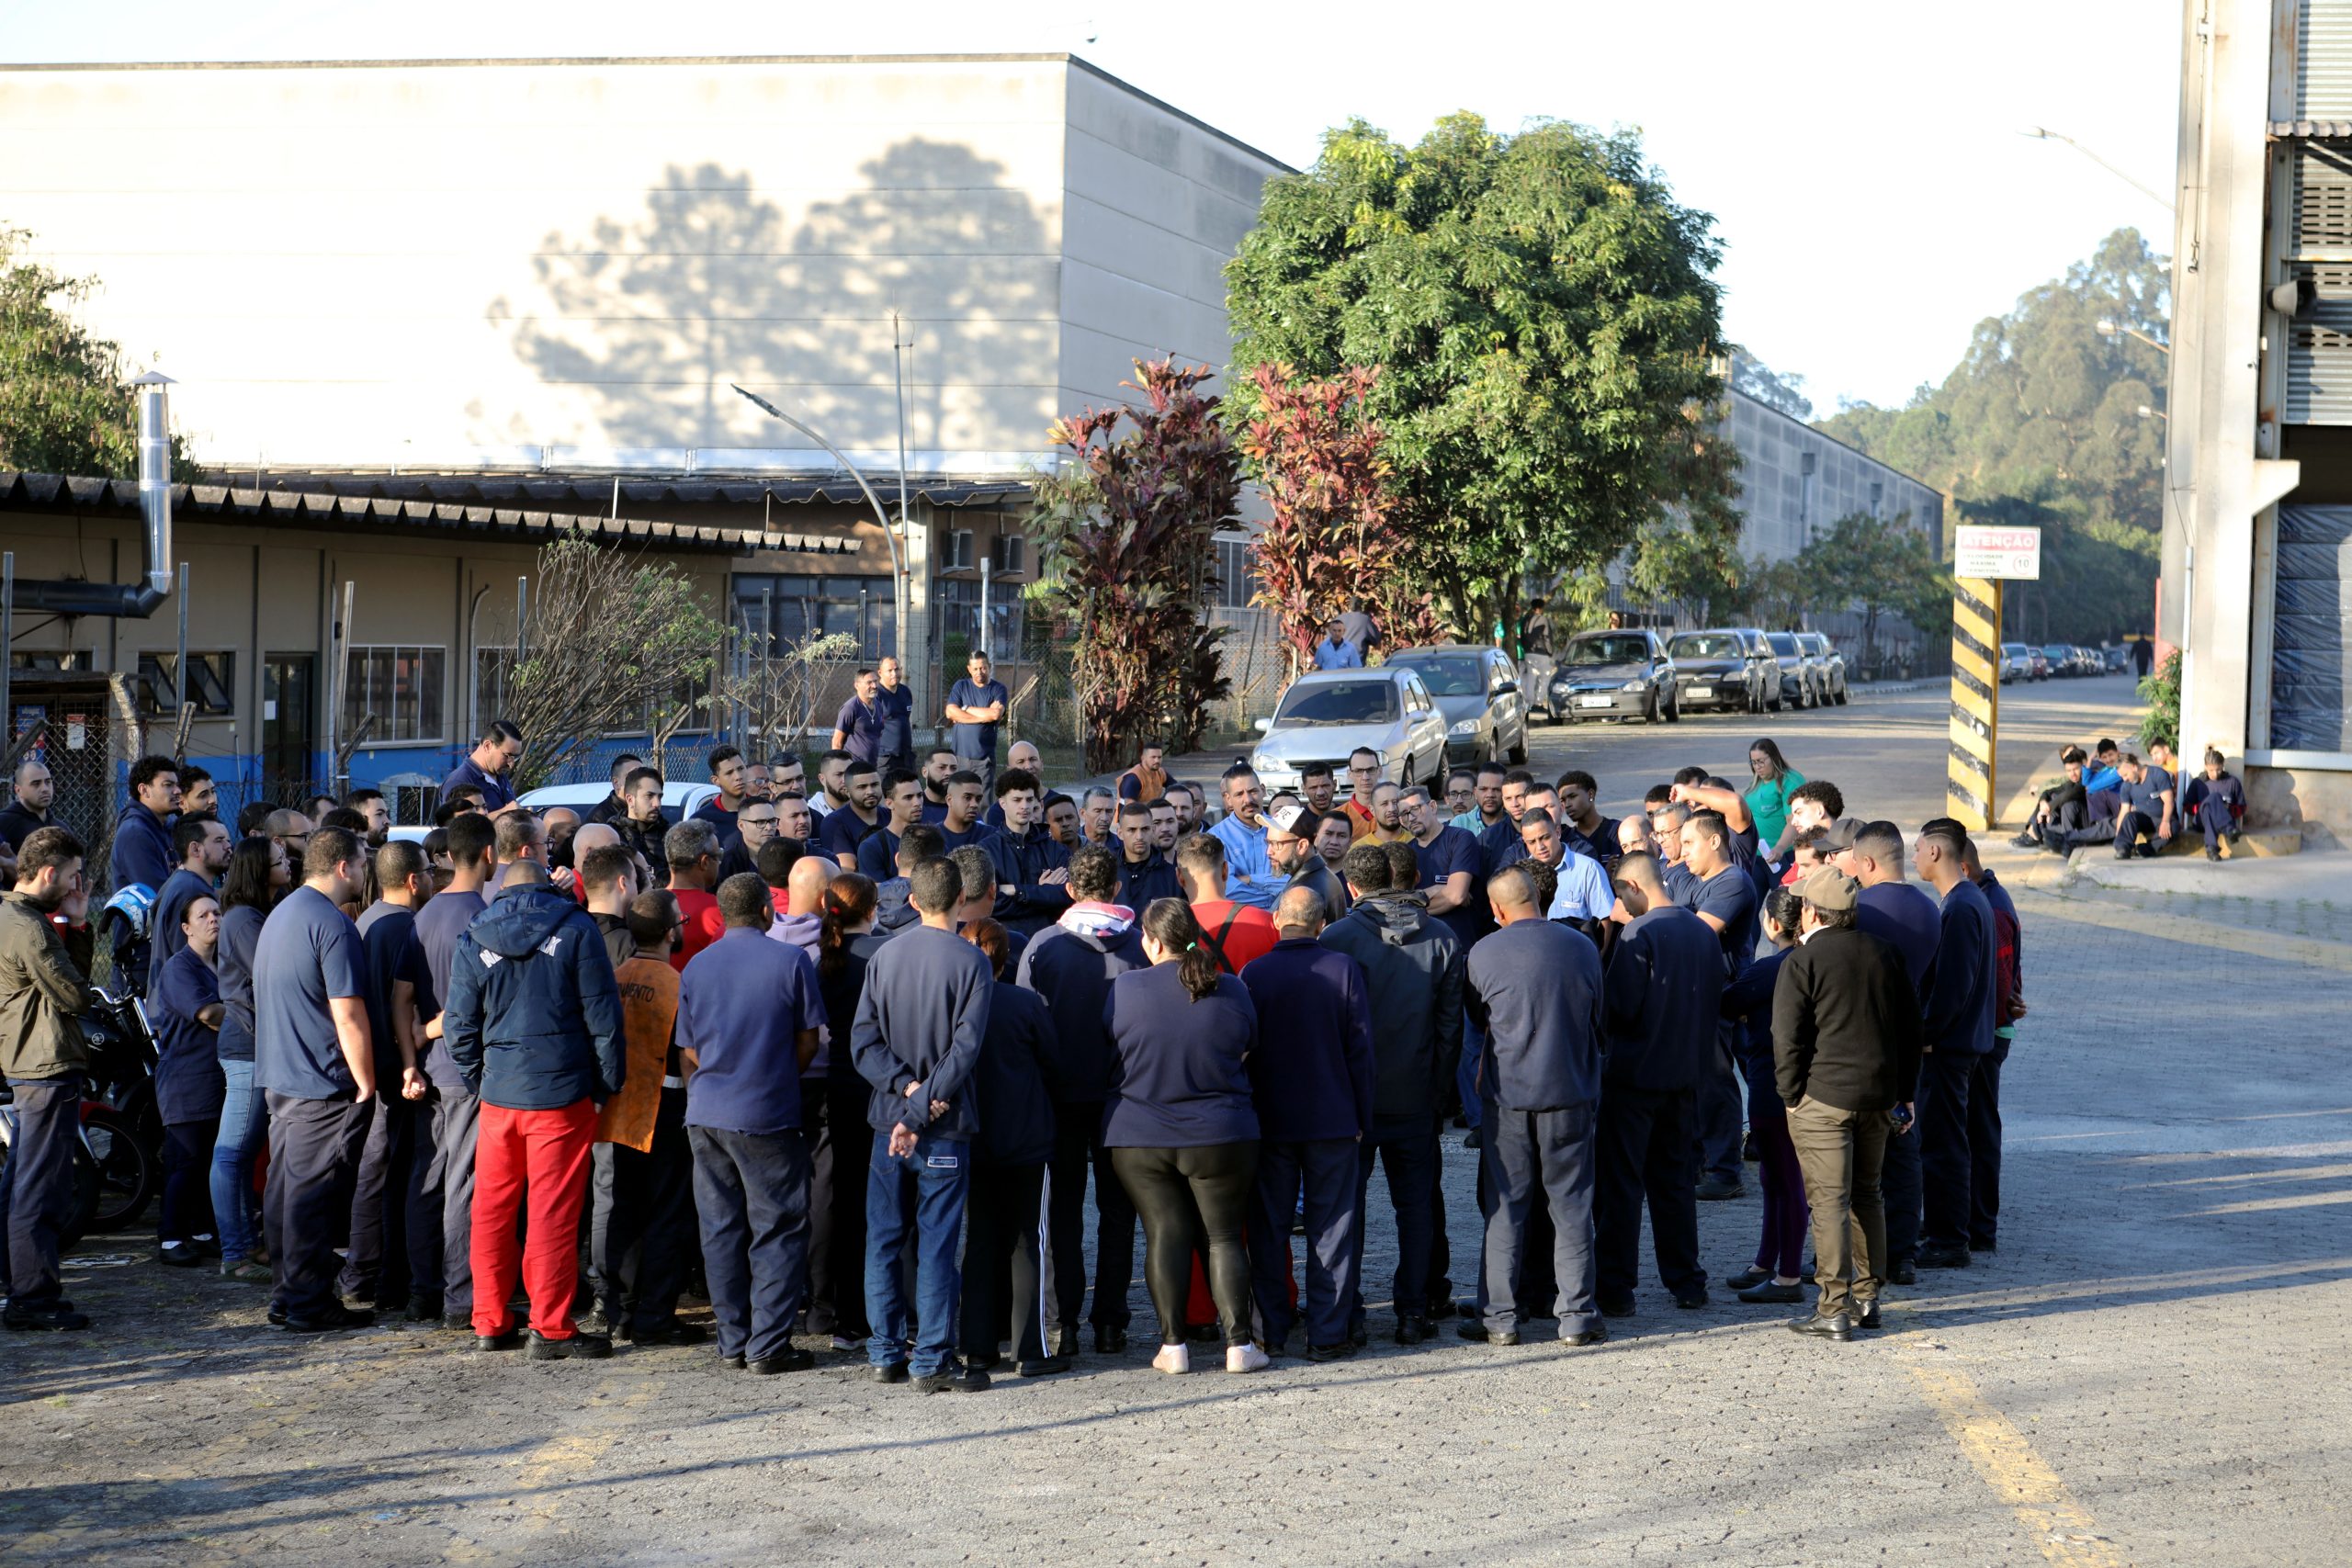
[(1174, 1359), (1245, 1358)]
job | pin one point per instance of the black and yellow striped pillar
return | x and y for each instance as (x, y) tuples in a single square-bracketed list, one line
[(1976, 700)]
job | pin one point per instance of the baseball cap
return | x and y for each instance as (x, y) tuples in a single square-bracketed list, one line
[(1293, 820), (1826, 887), (1839, 835)]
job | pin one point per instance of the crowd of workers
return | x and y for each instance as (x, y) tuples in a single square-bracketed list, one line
[(846, 1061)]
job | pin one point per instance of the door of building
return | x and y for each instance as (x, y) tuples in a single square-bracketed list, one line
[(288, 721)]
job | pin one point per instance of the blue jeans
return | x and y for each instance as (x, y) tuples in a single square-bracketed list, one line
[(925, 1190), (245, 1132)]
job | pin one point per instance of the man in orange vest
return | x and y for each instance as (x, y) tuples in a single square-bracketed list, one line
[(1147, 779)]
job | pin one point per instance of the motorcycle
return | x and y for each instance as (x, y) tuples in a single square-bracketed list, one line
[(119, 1158)]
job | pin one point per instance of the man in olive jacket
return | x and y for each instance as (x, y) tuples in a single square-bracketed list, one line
[(1846, 1056), (43, 993)]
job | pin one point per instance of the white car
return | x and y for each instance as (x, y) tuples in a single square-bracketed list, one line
[(1327, 713), (680, 800), (2017, 662)]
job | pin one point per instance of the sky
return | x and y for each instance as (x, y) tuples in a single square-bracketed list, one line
[(1863, 162)]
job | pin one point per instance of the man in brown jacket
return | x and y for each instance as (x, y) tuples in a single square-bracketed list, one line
[(1846, 1056), (43, 993)]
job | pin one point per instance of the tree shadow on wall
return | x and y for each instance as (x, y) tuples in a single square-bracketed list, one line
[(647, 320)]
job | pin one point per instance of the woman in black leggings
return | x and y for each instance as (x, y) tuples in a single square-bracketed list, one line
[(1181, 1128)]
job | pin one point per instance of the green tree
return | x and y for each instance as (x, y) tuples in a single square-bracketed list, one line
[(1876, 565), (64, 405), (1542, 315), (2041, 423)]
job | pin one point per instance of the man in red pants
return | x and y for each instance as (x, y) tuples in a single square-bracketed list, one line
[(534, 1024)]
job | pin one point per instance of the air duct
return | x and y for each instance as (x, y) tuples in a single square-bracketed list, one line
[(67, 597)]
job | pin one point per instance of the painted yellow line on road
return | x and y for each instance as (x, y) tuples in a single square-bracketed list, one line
[(575, 1454), (2061, 1527)]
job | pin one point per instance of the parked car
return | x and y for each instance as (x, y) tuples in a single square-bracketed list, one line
[(2065, 659), (1327, 713), (2017, 662), (1618, 674), (1477, 691), (1831, 663), (1725, 667), (2118, 656), (1800, 671)]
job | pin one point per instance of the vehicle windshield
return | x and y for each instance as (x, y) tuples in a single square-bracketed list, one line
[(1706, 645), (1592, 650), (2057, 651), (1339, 702), (1457, 677), (2017, 650), (1782, 642)]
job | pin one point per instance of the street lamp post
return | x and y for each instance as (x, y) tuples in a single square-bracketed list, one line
[(2114, 329), (2043, 133)]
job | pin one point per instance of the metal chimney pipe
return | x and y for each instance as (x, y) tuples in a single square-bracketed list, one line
[(66, 596)]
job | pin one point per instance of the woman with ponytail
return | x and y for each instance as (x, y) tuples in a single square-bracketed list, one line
[(1180, 1126)]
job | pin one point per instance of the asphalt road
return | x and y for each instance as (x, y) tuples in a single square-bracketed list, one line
[(2150, 1369)]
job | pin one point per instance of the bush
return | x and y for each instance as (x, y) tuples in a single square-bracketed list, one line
[(2161, 691)]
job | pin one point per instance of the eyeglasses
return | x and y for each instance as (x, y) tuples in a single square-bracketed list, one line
[(755, 821), (1363, 771)]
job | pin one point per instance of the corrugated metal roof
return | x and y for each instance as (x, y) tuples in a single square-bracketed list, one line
[(593, 492), (313, 509)]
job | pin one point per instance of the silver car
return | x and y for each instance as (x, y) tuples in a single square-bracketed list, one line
[(1831, 663), (1618, 674), (1329, 714), (1477, 691)]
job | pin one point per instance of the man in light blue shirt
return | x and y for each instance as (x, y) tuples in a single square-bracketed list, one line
[(1335, 651), (1250, 877), (1583, 891)]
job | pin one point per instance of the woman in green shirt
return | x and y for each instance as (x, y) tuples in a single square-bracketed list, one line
[(1767, 798)]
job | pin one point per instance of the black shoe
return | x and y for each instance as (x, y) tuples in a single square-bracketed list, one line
[(953, 1377), (1748, 1278), (208, 1247), (1412, 1330), (1470, 1139), (458, 1321), (1691, 1300), (1716, 1189), (327, 1322), (1443, 1308), (277, 1317), (1975, 1245), (178, 1255), (1943, 1256), (987, 1361), (1903, 1273), (1110, 1341), (1479, 1334), (791, 1359), (1339, 1352), (1066, 1344), (2213, 854), (1043, 1369), (424, 1309), (600, 1319), (510, 1340), (672, 1333), (1359, 1336), (1768, 1293), (733, 1363), (1868, 1317), (578, 1347), (1585, 1337), (54, 1318), (1616, 1306), (889, 1371), (1838, 1326)]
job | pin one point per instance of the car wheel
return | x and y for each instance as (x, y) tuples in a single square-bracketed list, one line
[(1673, 708), (1518, 751), (1844, 697), (1773, 706), (1649, 708)]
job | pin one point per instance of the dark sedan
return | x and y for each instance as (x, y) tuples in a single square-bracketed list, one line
[(1719, 669)]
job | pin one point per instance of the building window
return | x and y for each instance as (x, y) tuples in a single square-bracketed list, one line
[(402, 686), (788, 609), (1236, 583), (959, 618), (212, 684)]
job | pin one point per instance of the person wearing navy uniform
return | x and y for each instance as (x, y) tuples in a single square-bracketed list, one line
[(142, 855), (1901, 915), (488, 767), (1072, 965), (1412, 969), (748, 1016), (1539, 986), (916, 1042), (313, 1059), (184, 1002), (1663, 994), (1985, 1093), (1958, 1011), (2214, 800), (200, 847), (1311, 1078), (1001, 1281), (1720, 892), (1775, 1276), (1145, 873), (446, 1143)]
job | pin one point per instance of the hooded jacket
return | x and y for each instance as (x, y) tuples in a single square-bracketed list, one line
[(43, 992), (1413, 968), (533, 1020), (142, 855), (893, 905), (1072, 965)]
